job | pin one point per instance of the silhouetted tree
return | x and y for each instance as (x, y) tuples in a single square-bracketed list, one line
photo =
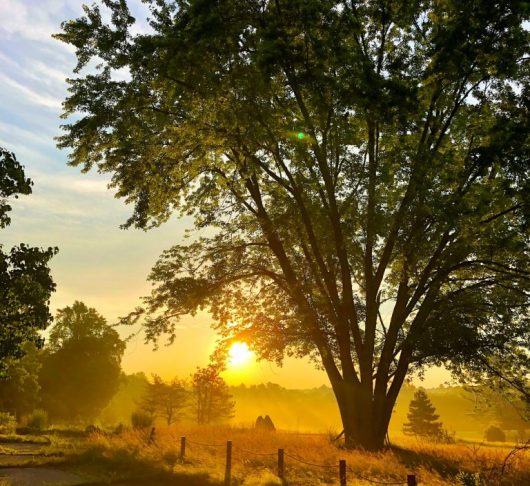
[(494, 434), (25, 281), (81, 370), (213, 400), (165, 400), (422, 419), (362, 168)]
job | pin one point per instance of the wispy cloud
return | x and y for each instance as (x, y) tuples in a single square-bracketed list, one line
[(31, 94), (78, 184), (34, 20)]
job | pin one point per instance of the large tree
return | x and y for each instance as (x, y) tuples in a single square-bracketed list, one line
[(360, 168), (25, 280), (81, 369)]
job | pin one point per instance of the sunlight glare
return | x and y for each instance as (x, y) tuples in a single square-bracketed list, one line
[(239, 354)]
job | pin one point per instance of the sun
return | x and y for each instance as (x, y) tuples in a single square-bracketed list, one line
[(239, 354)]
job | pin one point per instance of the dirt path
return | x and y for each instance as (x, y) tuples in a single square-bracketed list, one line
[(39, 476)]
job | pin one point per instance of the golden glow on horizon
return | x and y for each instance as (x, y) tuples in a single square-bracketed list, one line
[(239, 354)]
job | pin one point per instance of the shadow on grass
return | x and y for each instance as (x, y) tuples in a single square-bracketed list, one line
[(444, 467), (122, 468)]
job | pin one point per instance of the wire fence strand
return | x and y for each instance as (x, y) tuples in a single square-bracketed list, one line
[(205, 445), (310, 463)]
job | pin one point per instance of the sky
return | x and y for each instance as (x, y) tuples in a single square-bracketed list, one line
[(98, 263)]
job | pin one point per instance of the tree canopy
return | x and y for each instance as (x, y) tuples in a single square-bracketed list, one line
[(25, 280), (79, 322), (360, 168), (167, 400), (213, 401)]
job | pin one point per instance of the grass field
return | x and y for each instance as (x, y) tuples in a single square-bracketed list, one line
[(134, 457), (311, 459)]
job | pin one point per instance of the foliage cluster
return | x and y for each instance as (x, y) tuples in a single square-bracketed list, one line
[(165, 400), (25, 280), (37, 420), (213, 401), (8, 423), (141, 419)]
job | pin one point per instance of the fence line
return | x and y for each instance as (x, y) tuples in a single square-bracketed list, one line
[(342, 466)]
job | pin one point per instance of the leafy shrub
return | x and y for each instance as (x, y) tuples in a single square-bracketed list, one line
[(8, 423), (468, 479), (495, 434), (141, 420), (38, 419)]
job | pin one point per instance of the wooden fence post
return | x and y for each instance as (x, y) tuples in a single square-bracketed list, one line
[(182, 448), (411, 480), (342, 472), (281, 467), (228, 470)]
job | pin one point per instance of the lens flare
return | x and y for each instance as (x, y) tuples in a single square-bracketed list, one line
[(239, 354)]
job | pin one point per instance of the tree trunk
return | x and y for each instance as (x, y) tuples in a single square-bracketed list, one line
[(365, 425)]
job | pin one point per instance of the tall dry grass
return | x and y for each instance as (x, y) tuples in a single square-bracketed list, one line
[(312, 459)]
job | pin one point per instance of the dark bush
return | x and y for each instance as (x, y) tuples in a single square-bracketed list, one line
[(141, 420), (495, 434), (38, 420)]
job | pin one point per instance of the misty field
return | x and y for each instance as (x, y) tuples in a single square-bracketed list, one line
[(139, 457)]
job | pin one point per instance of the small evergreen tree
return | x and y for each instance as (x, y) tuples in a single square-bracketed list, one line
[(422, 419)]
